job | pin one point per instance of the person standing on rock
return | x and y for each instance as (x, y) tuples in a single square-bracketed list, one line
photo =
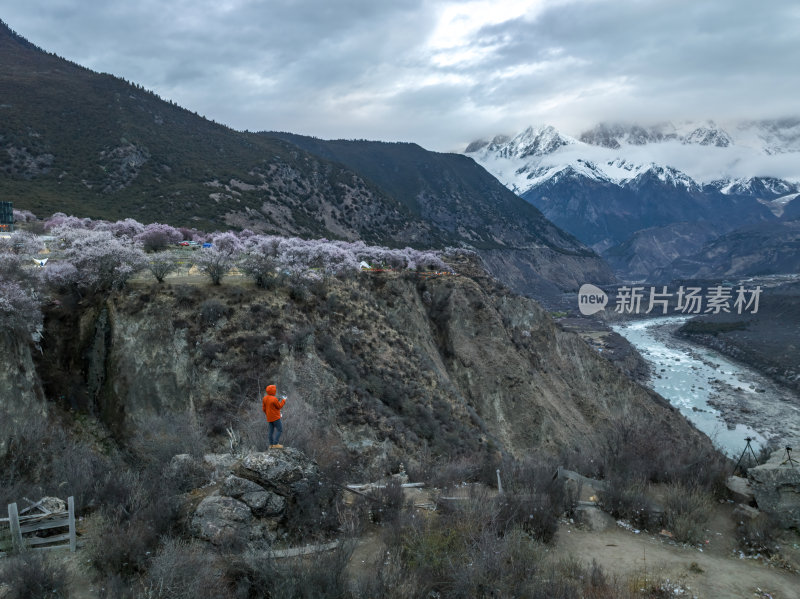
[(272, 408)]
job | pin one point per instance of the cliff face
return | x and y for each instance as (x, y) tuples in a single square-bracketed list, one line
[(381, 363), (21, 394)]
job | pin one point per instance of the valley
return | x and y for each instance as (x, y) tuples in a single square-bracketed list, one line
[(727, 401), (452, 426)]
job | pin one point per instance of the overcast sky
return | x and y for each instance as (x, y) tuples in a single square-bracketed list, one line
[(436, 72)]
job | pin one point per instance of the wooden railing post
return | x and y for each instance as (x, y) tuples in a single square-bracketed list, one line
[(71, 516), (13, 521)]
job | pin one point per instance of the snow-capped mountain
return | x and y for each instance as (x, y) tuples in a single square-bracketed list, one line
[(612, 181), (704, 153)]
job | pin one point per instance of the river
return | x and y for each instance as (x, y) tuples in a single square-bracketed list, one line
[(725, 400)]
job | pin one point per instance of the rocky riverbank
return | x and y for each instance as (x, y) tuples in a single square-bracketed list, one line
[(740, 393), (766, 341)]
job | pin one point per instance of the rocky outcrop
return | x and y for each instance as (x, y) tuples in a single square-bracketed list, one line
[(222, 520), (776, 488), (287, 472), (21, 395), (248, 506)]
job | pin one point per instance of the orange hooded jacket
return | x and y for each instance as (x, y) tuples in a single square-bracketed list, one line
[(271, 404)]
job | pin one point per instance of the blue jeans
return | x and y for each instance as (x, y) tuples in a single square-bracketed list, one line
[(275, 426)]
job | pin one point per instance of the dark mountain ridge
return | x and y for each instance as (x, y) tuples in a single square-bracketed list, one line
[(89, 144)]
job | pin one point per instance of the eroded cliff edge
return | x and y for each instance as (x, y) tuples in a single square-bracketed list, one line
[(386, 363)]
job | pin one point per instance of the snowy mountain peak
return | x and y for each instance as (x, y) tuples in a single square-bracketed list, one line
[(539, 141), (665, 174), (614, 136), (709, 136), (690, 154)]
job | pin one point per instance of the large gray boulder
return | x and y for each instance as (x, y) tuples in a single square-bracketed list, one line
[(776, 488), (250, 496), (222, 520), (287, 472), (235, 486), (263, 503)]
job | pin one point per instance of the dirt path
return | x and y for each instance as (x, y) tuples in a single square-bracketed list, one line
[(714, 573)]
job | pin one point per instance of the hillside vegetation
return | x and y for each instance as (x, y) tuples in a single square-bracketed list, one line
[(93, 145), (435, 372)]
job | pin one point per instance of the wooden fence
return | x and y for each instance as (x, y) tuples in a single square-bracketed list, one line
[(25, 526)]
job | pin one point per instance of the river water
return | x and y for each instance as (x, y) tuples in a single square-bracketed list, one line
[(725, 400)]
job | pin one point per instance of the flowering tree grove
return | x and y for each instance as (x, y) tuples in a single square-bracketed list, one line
[(104, 261)]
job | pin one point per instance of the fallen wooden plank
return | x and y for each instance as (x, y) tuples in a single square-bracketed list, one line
[(36, 505), (382, 486), (46, 540), (306, 550), (49, 547), (37, 517), (44, 525), (16, 534)]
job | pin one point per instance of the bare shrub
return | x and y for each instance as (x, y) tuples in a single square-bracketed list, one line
[(534, 499), (313, 514), (137, 509), (498, 566), (320, 576), (535, 513), (388, 577), (251, 425), (212, 310), (431, 549), (74, 470), (182, 570), (454, 472), (20, 309), (186, 295), (757, 535), (387, 502), (627, 498), (114, 586), (636, 451), (160, 437), (686, 512), (24, 446), (34, 574)]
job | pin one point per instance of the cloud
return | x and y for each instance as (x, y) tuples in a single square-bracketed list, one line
[(437, 72)]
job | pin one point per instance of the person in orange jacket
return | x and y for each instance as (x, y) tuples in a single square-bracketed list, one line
[(272, 408)]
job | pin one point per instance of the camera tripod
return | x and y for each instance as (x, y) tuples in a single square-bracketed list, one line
[(752, 453), (789, 460)]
